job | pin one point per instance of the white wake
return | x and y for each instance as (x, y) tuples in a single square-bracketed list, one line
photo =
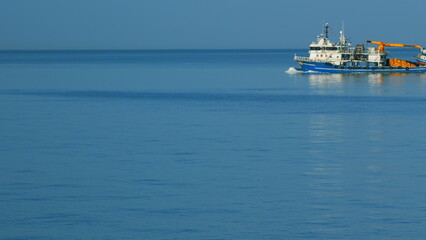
[(292, 70)]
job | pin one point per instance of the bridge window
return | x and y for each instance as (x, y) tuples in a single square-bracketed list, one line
[(323, 48)]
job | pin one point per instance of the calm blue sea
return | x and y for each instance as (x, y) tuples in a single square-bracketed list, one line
[(207, 144)]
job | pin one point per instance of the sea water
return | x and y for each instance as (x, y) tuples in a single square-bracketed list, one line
[(207, 144)]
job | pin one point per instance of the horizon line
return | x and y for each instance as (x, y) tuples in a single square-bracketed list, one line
[(155, 49)]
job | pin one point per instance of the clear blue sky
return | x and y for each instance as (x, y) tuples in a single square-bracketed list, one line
[(169, 24)]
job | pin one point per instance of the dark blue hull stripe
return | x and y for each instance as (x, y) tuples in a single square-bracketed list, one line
[(322, 67)]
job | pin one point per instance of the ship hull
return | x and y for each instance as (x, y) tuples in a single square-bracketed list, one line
[(421, 61), (330, 68)]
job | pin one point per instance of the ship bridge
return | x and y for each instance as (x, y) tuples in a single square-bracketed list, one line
[(323, 50)]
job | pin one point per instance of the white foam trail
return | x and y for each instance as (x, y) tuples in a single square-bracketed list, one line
[(292, 70)]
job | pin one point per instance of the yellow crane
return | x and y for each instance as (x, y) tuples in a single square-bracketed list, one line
[(382, 45), (396, 62)]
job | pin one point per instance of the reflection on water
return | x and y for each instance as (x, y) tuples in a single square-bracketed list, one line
[(322, 83), (380, 79), (326, 132), (325, 170), (326, 80), (377, 83), (376, 79), (338, 80), (325, 129)]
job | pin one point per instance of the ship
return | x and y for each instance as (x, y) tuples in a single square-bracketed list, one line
[(341, 57)]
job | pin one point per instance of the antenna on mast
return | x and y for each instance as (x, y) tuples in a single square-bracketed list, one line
[(326, 30)]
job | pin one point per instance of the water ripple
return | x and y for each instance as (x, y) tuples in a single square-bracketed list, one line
[(210, 96)]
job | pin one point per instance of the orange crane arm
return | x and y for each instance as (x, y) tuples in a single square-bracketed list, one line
[(382, 45)]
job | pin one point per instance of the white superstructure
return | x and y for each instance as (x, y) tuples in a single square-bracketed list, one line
[(341, 53)]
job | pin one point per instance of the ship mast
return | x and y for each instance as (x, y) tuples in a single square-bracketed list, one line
[(326, 30)]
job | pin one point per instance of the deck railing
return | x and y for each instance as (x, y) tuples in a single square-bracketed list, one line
[(298, 58)]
